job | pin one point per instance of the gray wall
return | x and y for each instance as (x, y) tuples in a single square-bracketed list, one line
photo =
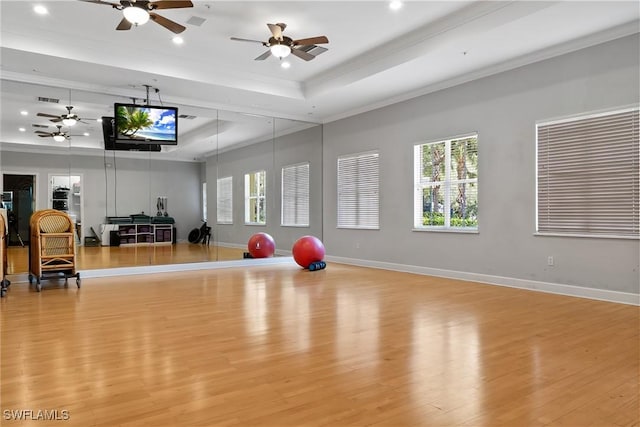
[(272, 155), (125, 186), (503, 109)]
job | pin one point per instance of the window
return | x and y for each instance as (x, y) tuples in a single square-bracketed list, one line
[(295, 195), (254, 198), (224, 211), (446, 184), (588, 176), (358, 191)]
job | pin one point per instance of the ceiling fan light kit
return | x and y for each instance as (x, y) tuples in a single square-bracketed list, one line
[(69, 121), (138, 12), (280, 50), (282, 46), (136, 15)]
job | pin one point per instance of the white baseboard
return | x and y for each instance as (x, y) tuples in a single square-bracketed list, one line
[(280, 252), (553, 288), (231, 245), (169, 268), (211, 265)]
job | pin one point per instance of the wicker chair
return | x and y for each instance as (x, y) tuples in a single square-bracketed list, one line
[(52, 246), (4, 283)]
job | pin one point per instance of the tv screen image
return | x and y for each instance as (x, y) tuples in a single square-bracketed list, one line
[(146, 124), (109, 134)]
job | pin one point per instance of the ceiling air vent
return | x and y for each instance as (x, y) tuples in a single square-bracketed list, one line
[(51, 100), (313, 49), (196, 20), (186, 116)]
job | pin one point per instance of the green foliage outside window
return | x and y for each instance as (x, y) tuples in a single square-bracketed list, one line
[(459, 177)]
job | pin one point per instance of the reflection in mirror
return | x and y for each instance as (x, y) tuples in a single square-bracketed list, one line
[(143, 205), (243, 148), (297, 160), (267, 146)]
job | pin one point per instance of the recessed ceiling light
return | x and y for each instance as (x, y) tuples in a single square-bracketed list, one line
[(395, 5), (178, 40), (22, 129), (86, 134), (40, 10), (99, 120), (285, 64), (24, 112)]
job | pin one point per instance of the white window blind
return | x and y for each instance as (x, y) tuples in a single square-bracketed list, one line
[(225, 200), (204, 201), (588, 175), (295, 195), (358, 191)]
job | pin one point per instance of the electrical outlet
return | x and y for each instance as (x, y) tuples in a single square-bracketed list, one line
[(550, 261)]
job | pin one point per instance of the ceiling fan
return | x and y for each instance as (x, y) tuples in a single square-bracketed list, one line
[(281, 46), (68, 119), (58, 135), (138, 12)]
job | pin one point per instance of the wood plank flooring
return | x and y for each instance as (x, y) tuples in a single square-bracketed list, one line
[(345, 346)]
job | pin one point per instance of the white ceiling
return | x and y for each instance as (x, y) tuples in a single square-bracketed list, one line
[(376, 57)]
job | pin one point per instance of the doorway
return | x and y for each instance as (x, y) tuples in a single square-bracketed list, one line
[(66, 195), (18, 196)]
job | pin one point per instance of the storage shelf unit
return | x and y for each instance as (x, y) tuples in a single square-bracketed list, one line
[(145, 234), (60, 199)]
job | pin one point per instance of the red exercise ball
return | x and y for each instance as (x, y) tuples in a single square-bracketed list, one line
[(306, 250), (261, 245)]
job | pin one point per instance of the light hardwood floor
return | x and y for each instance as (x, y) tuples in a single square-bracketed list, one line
[(345, 346)]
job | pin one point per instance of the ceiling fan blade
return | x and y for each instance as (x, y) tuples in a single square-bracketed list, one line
[(116, 5), (276, 31), (310, 41), (56, 120), (167, 23), (246, 40), (264, 56), (47, 115), (45, 135), (43, 132), (170, 4), (302, 54), (124, 25)]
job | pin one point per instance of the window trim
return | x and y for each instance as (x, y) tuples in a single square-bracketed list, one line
[(204, 201), (247, 198), (438, 228)]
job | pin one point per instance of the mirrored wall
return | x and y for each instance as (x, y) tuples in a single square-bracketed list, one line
[(231, 175)]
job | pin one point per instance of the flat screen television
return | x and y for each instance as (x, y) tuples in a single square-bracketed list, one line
[(146, 124), (109, 135)]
